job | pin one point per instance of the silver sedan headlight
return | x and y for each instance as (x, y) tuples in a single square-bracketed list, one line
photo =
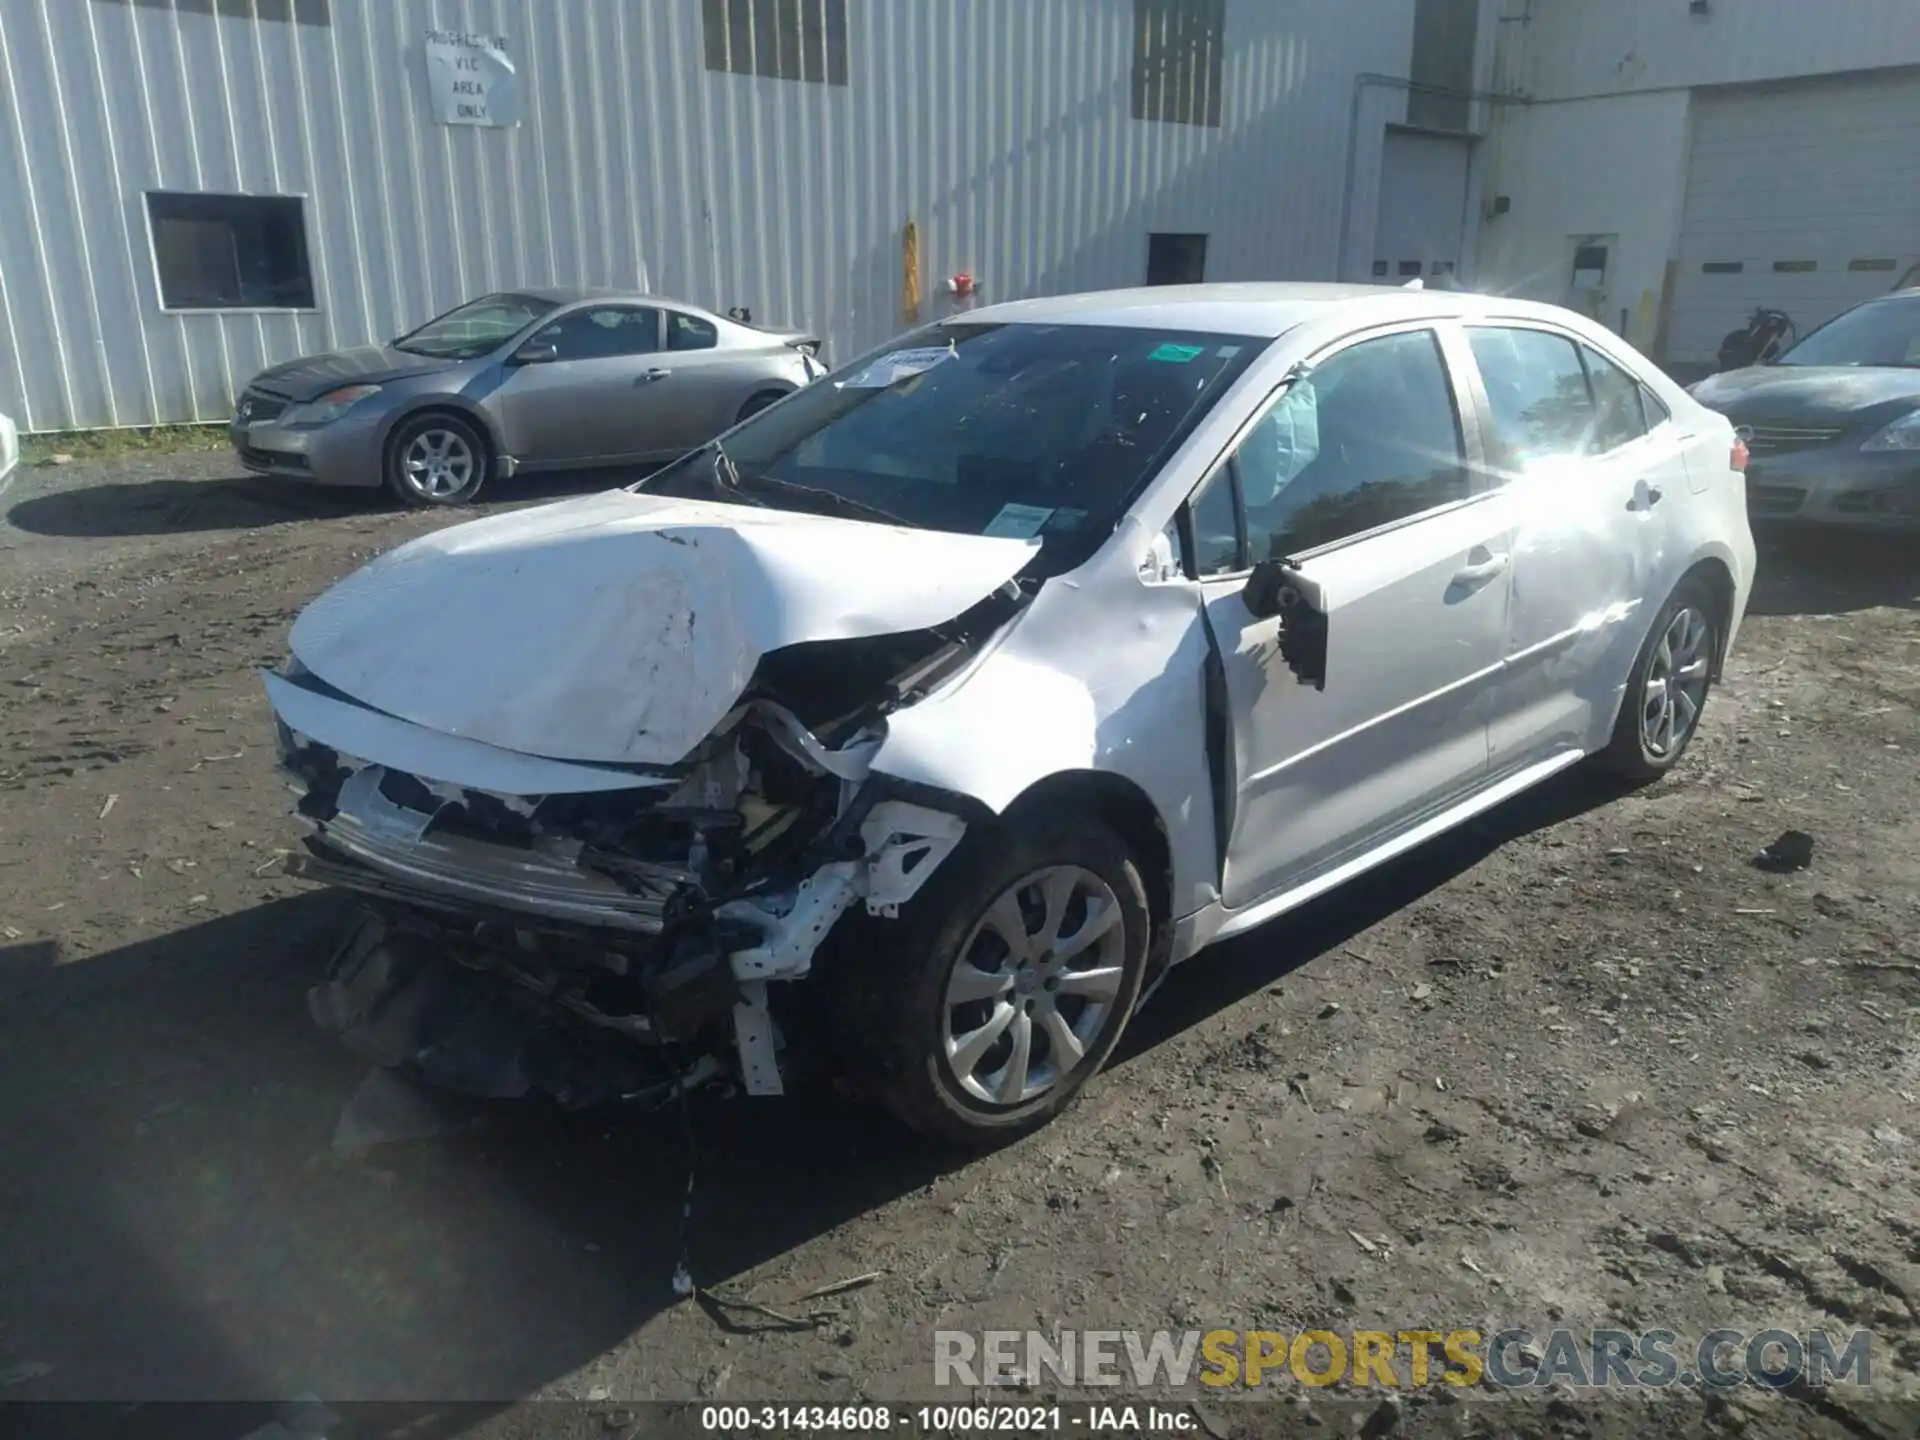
[(330, 406)]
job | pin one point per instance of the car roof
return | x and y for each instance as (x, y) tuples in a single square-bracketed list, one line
[(1265, 309), (575, 294)]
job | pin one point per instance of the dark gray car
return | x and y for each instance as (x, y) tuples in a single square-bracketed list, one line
[(516, 382), (1833, 425)]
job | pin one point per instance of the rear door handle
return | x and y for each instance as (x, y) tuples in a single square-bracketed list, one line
[(651, 376), (1480, 570)]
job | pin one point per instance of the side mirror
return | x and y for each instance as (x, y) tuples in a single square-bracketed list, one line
[(1277, 590), (536, 352)]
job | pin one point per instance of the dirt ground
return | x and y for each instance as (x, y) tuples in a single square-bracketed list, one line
[(1582, 1065)]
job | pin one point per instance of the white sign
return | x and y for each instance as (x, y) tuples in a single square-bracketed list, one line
[(900, 365), (471, 79)]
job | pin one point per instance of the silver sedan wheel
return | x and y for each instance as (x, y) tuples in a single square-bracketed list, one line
[(438, 464), (1676, 683), (1033, 986)]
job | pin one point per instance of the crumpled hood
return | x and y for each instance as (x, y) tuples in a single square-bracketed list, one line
[(314, 375), (621, 628), (1807, 394)]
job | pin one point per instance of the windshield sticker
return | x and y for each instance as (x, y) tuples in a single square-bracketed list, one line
[(900, 365), (1019, 522), (1176, 354), (1227, 352)]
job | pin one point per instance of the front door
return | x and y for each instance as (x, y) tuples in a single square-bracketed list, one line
[(1587, 479), (600, 397), (1359, 473)]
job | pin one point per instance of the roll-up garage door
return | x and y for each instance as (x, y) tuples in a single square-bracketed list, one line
[(1801, 197)]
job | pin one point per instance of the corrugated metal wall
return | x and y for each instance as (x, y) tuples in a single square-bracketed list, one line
[(1001, 126), (1569, 48)]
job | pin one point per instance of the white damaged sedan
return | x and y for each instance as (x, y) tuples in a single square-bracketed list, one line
[(906, 734)]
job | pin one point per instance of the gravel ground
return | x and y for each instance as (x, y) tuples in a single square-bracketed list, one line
[(1581, 1064)]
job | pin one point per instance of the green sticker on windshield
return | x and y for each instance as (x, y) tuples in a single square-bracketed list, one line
[(1176, 354)]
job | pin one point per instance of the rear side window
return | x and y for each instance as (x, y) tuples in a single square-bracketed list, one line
[(1537, 393), (689, 332), (606, 333), (1370, 436), (1616, 401)]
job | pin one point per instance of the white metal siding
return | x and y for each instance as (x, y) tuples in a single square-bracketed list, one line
[(1575, 48), (1827, 172), (1001, 126)]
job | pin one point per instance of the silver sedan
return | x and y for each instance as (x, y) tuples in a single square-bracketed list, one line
[(516, 383)]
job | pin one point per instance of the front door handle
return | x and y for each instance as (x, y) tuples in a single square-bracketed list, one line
[(1480, 570), (651, 376)]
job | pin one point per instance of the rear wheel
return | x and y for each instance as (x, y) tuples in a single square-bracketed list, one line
[(756, 403), (436, 459), (1004, 986), (1667, 688)]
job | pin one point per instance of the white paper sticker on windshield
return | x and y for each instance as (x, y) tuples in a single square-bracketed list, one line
[(1019, 522), (900, 365)]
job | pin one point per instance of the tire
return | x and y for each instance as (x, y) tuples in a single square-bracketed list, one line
[(913, 1029), (436, 459), (1653, 730), (758, 402)]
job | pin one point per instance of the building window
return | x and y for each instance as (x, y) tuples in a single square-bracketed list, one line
[(781, 39), (230, 252), (1178, 47), (300, 12), (1176, 259)]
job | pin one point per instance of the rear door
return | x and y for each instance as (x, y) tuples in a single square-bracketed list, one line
[(600, 397), (1589, 487), (707, 382), (1361, 472)]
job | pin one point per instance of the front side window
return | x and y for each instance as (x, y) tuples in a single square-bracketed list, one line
[(474, 329), (1537, 392), (1214, 517), (230, 252), (606, 332), (1368, 437), (1024, 430)]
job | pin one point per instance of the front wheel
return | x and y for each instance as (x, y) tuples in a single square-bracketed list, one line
[(1667, 688), (436, 459), (1006, 983)]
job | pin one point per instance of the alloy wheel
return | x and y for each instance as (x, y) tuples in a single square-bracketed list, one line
[(1033, 987), (1676, 686), (438, 464)]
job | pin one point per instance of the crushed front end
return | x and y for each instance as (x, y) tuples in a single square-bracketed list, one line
[(630, 930)]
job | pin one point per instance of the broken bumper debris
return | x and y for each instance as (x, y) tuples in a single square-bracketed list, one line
[(600, 847), (527, 942)]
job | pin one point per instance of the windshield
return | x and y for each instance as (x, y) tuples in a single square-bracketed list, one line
[(476, 327), (1027, 431), (1881, 332)]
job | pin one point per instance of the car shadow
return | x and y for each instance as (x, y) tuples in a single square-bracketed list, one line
[(169, 506), (1821, 573), (1228, 972), (182, 1226)]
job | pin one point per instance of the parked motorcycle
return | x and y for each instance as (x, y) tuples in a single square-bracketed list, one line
[(1765, 335)]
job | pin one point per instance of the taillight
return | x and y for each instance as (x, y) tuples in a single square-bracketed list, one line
[(1737, 461)]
